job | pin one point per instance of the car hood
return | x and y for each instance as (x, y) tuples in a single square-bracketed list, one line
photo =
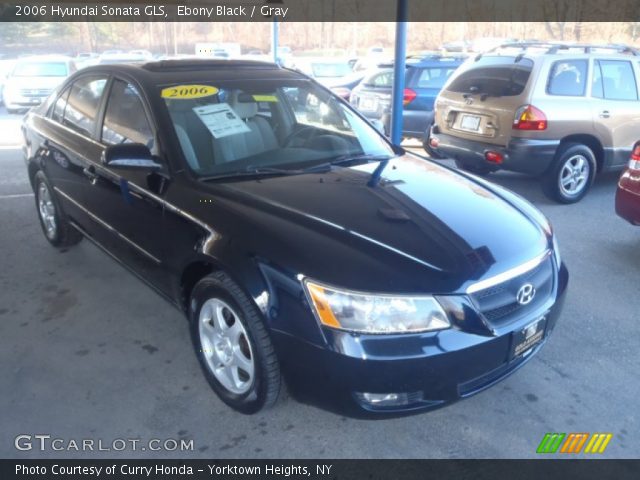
[(419, 212)]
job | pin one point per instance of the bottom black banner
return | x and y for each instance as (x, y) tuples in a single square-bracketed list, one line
[(320, 469)]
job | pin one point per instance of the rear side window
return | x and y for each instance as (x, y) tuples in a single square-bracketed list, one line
[(494, 76), (614, 80), (434, 77), (568, 78), (125, 120), (82, 106)]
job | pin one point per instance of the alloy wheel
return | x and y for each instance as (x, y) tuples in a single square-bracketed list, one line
[(225, 346), (47, 211), (574, 175)]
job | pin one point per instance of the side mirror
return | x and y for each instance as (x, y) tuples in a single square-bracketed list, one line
[(130, 155)]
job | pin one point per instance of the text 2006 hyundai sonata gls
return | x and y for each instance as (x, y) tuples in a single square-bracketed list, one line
[(298, 241)]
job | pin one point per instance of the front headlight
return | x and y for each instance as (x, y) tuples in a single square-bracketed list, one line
[(375, 313), (556, 251)]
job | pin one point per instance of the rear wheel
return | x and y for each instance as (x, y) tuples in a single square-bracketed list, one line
[(571, 175), (480, 170), (55, 226), (233, 345)]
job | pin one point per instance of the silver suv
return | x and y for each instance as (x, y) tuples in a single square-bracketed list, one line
[(559, 111)]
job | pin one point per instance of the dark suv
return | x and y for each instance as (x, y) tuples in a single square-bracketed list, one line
[(424, 78), (309, 250)]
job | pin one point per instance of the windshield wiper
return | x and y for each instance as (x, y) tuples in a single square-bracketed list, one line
[(252, 171), (344, 160)]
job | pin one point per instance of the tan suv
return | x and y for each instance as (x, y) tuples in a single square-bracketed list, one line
[(563, 112)]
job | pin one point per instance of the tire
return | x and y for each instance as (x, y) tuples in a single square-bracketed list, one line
[(54, 223), (479, 170), (233, 345), (430, 151), (571, 175)]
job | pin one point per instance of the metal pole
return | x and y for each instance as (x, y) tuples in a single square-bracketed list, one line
[(274, 40), (399, 72)]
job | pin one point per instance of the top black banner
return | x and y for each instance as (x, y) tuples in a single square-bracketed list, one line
[(323, 11)]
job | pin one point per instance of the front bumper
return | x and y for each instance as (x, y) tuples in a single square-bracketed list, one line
[(524, 155), (431, 369), (628, 197), (16, 102)]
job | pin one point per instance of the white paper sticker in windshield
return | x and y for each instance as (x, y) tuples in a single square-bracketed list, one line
[(221, 120)]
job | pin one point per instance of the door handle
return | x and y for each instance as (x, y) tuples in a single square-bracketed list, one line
[(90, 173), (605, 114)]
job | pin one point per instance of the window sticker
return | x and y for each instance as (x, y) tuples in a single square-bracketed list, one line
[(265, 98), (221, 120), (188, 92)]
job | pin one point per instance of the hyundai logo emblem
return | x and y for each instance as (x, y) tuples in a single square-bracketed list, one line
[(525, 294)]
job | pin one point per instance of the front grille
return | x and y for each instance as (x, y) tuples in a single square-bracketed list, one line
[(498, 303), (35, 92)]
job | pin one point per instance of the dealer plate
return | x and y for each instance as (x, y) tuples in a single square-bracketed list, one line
[(525, 339), (470, 123)]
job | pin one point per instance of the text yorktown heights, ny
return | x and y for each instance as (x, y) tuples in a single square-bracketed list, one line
[(161, 470)]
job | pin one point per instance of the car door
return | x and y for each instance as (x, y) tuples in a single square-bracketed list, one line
[(69, 145), (128, 201), (616, 109)]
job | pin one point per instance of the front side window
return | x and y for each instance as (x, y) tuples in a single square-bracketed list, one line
[(82, 106), (125, 120), (568, 78), (616, 80), (233, 127)]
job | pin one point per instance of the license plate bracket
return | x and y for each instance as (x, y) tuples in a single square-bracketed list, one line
[(470, 123), (525, 339), (369, 104)]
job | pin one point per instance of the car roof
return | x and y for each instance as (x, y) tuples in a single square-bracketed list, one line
[(173, 71), (435, 61), (554, 51)]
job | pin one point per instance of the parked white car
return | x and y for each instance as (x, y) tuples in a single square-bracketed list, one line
[(32, 79)]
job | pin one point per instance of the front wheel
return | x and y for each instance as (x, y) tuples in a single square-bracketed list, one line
[(55, 226), (233, 346), (571, 175)]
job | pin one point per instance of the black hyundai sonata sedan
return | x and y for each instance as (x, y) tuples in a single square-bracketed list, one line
[(300, 244)]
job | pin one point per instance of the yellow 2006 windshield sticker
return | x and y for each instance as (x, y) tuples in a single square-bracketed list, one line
[(188, 92), (265, 98)]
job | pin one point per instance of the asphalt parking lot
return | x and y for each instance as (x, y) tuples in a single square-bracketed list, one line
[(90, 352)]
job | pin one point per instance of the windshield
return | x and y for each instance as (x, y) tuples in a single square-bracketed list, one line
[(331, 69), (40, 69), (233, 127)]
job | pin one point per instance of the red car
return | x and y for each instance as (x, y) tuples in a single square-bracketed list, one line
[(628, 194)]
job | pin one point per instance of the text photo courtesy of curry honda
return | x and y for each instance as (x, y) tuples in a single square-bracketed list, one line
[(282, 239)]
